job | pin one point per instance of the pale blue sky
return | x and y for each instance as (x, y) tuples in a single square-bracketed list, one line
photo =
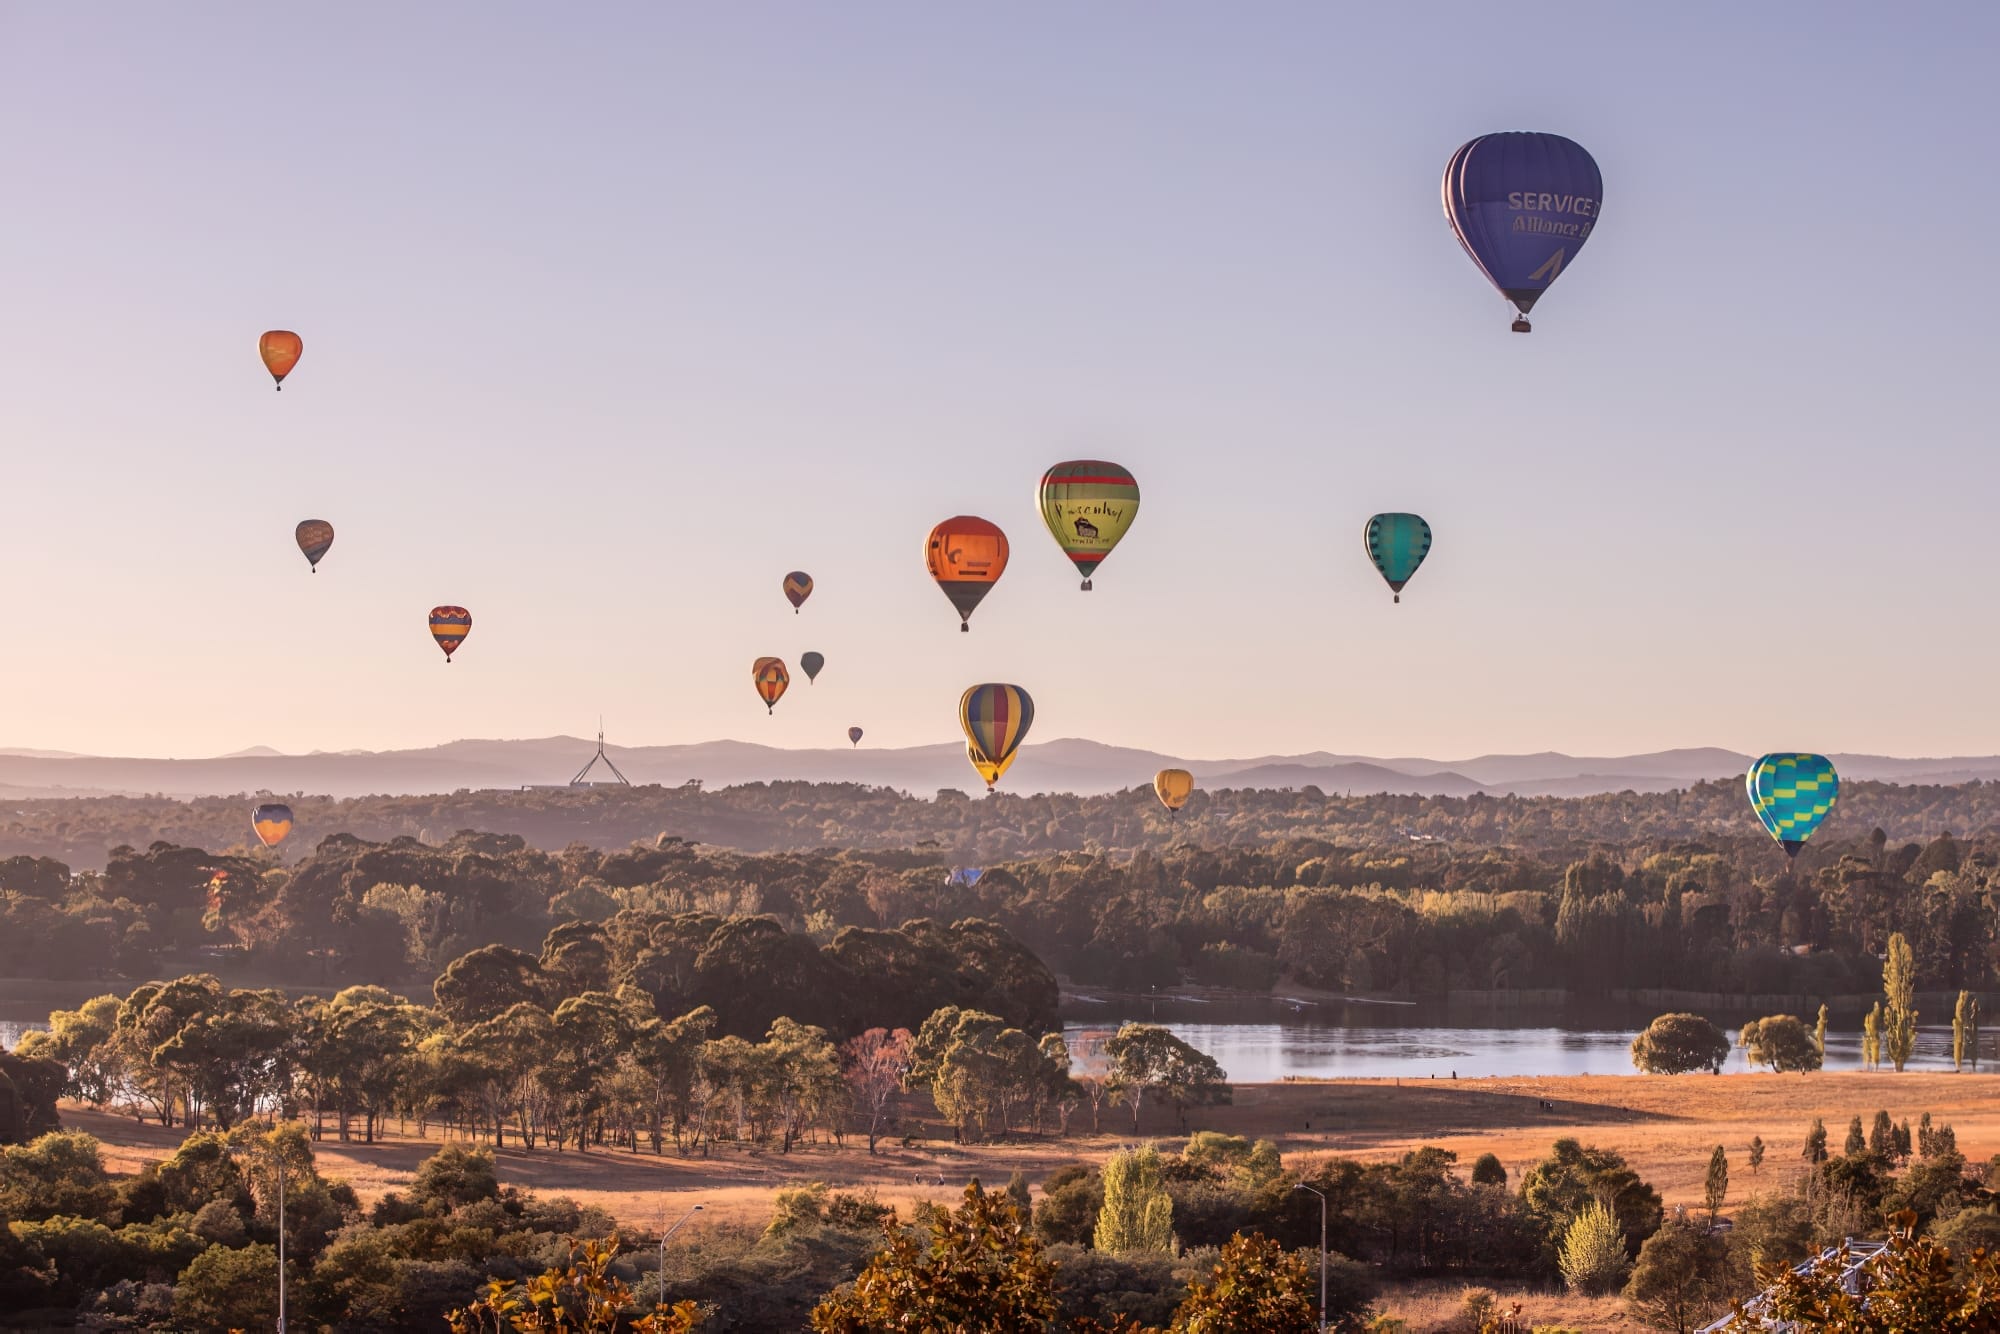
[(614, 314)]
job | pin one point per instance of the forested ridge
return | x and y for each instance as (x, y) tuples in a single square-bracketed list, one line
[(1720, 912), (801, 817)]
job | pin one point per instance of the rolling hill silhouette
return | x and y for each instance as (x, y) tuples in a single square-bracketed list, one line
[(1064, 765)]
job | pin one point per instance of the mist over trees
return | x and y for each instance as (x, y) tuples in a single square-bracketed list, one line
[(802, 817)]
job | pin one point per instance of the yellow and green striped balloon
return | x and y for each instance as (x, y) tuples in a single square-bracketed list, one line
[(1088, 504), (1792, 795)]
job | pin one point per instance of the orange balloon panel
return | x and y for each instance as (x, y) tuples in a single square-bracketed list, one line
[(281, 350), (966, 555)]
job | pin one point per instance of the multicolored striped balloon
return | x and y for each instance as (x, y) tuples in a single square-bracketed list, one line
[(798, 587), (771, 679), (450, 626), (1397, 543), (273, 822), (1088, 505), (314, 537), (1792, 795), (996, 718)]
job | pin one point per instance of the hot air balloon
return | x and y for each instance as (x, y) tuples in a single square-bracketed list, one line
[(273, 822), (1088, 504), (995, 719), (1792, 794), (771, 678), (1397, 543), (798, 587), (1522, 205), (314, 537), (810, 663), (1173, 787), (966, 556), (281, 350), (450, 626), (854, 736)]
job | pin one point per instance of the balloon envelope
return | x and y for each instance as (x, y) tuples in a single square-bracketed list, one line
[(1173, 787), (281, 350), (798, 587), (995, 718), (1792, 794), (967, 556), (854, 735), (1522, 205), (1088, 504), (771, 678), (1397, 543), (314, 537), (273, 822), (810, 664), (450, 626)]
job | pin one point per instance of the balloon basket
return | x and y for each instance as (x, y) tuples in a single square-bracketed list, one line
[(1522, 326)]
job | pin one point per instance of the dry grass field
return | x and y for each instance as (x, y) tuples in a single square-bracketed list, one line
[(1665, 1126)]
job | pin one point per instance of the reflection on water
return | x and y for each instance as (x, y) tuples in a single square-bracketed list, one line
[(1259, 1041)]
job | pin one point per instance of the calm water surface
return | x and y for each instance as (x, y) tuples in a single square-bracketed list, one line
[(1261, 1041)]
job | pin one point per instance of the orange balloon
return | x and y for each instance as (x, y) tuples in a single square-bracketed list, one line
[(966, 556), (771, 678), (281, 350)]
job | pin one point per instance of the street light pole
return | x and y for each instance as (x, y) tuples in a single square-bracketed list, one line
[(281, 1240), (663, 1250), (1322, 1251)]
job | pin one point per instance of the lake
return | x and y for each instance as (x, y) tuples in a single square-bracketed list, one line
[(1264, 1039)]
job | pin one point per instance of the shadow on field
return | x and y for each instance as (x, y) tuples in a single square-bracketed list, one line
[(1337, 1115)]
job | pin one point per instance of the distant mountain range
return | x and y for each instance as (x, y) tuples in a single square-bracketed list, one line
[(1067, 765)]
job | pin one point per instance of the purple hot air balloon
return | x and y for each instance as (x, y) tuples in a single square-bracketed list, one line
[(1522, 205)]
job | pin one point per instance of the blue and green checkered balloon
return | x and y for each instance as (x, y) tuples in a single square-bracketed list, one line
[(1792, 794)]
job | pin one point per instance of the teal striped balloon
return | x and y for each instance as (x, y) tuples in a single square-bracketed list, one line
[(1397, 543), (1792, 794)]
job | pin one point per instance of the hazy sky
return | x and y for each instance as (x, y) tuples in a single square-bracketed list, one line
[(615, 313)]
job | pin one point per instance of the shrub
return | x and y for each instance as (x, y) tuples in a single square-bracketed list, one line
[(1592, 1257)]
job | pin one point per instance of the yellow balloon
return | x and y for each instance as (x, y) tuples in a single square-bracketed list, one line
[(1173, 787), (988, 770)]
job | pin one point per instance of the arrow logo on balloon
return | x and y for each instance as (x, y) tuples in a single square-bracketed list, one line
[(1551, 269)]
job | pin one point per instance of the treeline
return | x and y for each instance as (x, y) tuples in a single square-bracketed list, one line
[(802, 817), (845, 939), (1211, 1233)]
